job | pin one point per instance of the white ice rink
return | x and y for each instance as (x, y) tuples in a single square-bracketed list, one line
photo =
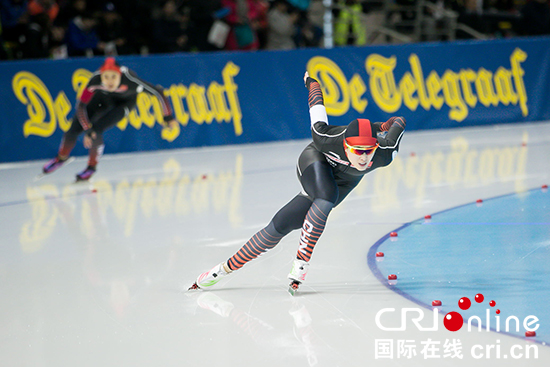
[(94, 274)]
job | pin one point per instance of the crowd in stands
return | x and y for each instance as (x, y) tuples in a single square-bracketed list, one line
[(69, 28)]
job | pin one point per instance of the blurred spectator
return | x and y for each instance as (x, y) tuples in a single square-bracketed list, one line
[(112, 31), (201, 19), (303, 5), (69, 11), (309, 34), (169, 30), (14, 17), (281, 26), (47, 7), (243, 18), (536, 18), (262, 23), (349, 28), (42, 14), (81, 37)]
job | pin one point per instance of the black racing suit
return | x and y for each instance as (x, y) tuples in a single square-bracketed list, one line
[(328, 147), (99, 109), (327, 177)]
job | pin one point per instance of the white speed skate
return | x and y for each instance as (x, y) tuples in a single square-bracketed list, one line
[(297, 275), (209, 278)]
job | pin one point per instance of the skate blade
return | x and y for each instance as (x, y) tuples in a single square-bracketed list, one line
[(39, 177), (193, 287), (80, 180), (293, 288)]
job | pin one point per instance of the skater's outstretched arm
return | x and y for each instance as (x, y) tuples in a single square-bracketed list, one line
[(317, 111), (155, 90), (395, 127)]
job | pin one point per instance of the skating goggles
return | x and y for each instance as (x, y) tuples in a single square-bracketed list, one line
[(360, 150)]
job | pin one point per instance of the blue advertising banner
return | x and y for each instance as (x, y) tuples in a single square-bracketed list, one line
[(234, 98)]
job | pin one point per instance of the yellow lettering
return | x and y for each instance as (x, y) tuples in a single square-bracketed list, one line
[(382, 82), (407, 86), (484, 88), (433, 86), (333, 83), (504, 87), (157, 110), (177, 93), (217, 102), (519, 56), (467, 77), (62, 107), (453, 97), (416, 68), (229, 72), (135, 119), (30, 91), (198, 108), (170, 134), (144, 105), (356, 89), (122, 124), (80, 79)]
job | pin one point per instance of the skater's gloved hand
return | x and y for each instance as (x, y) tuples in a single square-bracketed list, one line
[(89, 139), (308, 80)]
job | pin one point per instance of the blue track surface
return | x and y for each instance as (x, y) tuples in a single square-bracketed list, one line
[(500, 249)]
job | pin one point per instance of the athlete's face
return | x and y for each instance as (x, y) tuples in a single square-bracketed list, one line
[(359, 162), (110, 80)]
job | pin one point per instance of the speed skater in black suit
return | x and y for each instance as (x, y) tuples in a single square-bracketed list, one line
[(108, 97), (328, 169)]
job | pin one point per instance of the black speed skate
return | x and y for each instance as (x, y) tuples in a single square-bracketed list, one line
[(86, 174)]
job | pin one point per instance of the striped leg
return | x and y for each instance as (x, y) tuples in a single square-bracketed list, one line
[(313, 227), (262, 241)]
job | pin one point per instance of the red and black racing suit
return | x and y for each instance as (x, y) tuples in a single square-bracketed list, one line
[(99, 109)]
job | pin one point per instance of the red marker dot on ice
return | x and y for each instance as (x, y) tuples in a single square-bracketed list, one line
[(479, 298), (453, 321), (498, 312), (492, 303), (464, 303)]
